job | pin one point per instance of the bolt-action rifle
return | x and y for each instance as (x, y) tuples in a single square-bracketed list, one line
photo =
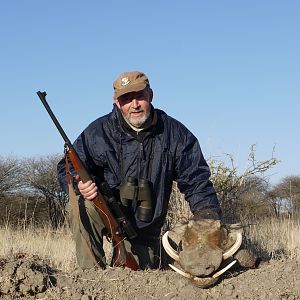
[(113, 224)]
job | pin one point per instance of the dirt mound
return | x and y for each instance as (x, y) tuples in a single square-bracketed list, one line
[(31, 278)]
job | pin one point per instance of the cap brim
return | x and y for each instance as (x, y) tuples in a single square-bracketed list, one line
[(130, 88)]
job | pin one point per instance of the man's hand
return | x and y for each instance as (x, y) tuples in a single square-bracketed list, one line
[(88, 189)]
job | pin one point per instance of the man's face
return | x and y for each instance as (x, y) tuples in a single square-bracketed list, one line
[(135, 106)]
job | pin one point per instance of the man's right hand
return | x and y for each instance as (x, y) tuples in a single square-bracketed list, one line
[(88, 189)]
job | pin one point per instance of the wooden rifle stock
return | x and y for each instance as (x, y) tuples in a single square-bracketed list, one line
[(120, 256)]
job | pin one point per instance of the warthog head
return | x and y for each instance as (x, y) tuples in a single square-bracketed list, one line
[(204, 251)]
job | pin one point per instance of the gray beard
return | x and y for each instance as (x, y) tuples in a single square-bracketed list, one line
[(141, 124)]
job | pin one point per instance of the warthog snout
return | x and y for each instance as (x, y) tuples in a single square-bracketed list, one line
[(201, 253)]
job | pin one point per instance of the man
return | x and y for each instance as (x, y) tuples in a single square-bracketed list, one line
[(139, 151)]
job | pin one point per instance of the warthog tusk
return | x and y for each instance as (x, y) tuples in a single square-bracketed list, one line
[(235, 247), (187, 275), (203, 281), (217, 274), (174, 254), (169, 249)]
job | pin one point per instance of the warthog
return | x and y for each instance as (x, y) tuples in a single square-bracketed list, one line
[(205, 249)]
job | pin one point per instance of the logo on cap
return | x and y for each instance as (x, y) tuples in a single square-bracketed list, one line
[(125, 81)]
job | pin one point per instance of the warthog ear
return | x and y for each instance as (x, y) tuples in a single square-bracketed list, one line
[(176, 234)]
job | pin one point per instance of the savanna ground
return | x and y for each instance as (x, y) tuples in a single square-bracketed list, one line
[(37, 262), (40, 264)]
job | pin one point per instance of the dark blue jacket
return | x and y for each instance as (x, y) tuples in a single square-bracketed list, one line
[(167, 152)]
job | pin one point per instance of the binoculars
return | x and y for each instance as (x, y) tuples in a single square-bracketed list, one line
[(141, 192)]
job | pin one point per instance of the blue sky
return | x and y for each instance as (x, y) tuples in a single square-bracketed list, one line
[(228, 70)]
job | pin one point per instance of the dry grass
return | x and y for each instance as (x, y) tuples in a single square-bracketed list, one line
[(275, 238), (178, 211), (272, 238), (55, 246)]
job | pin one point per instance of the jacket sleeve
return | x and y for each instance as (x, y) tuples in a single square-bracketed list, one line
[(192, 176)]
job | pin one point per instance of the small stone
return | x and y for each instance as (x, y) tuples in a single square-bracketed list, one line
[(86, 297), (228, 292), (229, 289), (245, 258)]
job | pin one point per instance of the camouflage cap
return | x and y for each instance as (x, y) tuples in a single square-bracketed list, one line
[(130, 82)]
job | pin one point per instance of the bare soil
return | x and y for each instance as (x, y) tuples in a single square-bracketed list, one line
[(25, 277)]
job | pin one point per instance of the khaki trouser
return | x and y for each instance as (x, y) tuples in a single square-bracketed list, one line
[(88, 231)]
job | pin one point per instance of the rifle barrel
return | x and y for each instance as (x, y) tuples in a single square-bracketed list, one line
[(42, 96)]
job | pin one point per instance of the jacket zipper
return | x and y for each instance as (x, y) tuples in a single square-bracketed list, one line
[(141, 158)]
